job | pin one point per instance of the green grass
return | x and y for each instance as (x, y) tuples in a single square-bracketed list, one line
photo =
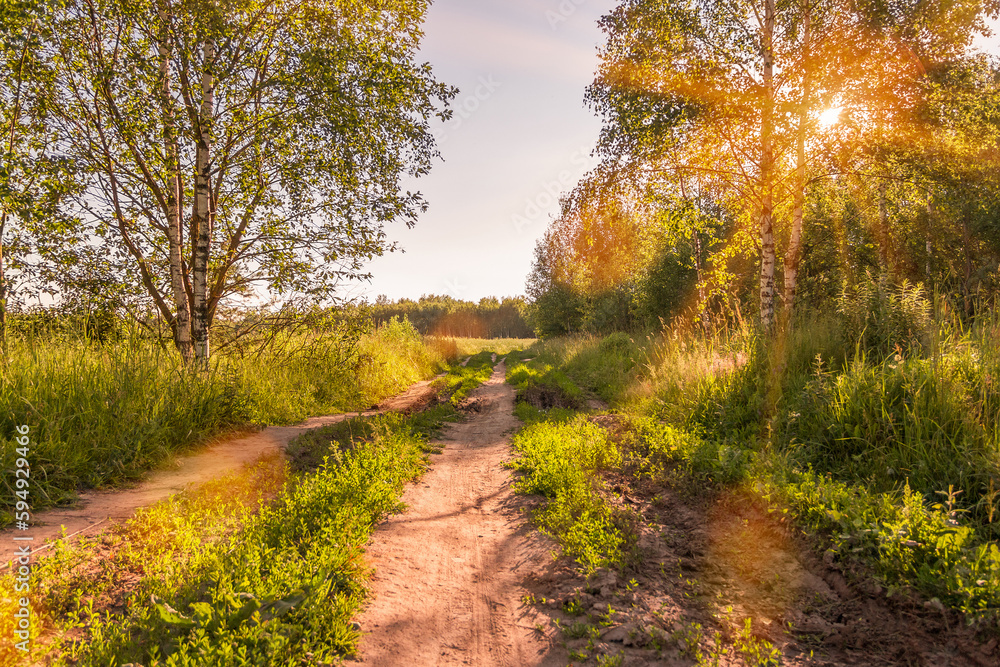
[(892, 457), (103, 415), (461, 380), (225, 575), (562, 460)]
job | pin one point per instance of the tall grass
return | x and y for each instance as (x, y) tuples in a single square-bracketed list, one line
[(104, 414), (878, 425)]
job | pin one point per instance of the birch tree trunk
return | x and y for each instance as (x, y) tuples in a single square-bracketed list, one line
[(182, 321), (927, 236), (794, 252), (883, 232), (203, 218), (767, 250)]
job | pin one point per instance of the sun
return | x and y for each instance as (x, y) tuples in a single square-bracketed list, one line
[(829, 117)]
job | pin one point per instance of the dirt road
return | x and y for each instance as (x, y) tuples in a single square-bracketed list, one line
[(96, 510), (449, 571)]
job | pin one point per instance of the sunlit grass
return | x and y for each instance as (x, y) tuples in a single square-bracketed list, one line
[(895, 458), (261, 567), (102, 415)]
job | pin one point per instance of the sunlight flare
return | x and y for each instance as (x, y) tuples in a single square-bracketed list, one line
[(829, 117)]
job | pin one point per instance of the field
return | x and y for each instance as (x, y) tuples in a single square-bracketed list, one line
[(100, 415)]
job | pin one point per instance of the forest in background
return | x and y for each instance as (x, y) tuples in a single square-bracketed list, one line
[(434, 315)]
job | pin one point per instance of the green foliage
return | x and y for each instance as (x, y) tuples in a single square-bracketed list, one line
[(661, 451), (103, 415), (281, 587), (755, 652), (902, 420), (909, 541), (543, 385), (895, 460), (561, 460)]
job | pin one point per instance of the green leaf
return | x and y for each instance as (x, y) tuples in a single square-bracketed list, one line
[(171, 616)]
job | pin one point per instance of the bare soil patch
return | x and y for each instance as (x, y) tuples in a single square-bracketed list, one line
[(708, 562), (450, 571)]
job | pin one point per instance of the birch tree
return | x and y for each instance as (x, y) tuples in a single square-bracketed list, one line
[(242, 147), (731, 92)]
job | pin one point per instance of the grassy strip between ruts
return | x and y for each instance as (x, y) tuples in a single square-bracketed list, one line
[(561, 456), (225, 575), (461, 380)]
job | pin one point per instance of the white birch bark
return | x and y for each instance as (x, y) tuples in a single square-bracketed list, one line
[(767, 249), (182, 321), (203, 213)]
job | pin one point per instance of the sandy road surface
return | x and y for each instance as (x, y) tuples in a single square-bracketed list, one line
[(95, 510), (449, 570)]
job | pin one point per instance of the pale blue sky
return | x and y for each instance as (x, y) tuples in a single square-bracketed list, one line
[(520, 132), (520, 135)]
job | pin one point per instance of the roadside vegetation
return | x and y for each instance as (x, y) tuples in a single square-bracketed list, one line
[(261, 567), (792, 319), (876, 444), (102, 414)]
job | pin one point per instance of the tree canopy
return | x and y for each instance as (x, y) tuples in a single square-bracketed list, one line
[(748, 123), (234, 148)]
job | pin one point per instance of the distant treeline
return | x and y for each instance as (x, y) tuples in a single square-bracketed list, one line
[(446, 316)]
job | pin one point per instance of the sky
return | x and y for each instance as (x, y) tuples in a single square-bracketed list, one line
[(520, 136)]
